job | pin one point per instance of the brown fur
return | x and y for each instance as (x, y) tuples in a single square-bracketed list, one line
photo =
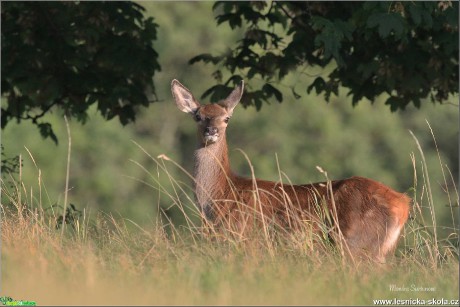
[(369, 214)]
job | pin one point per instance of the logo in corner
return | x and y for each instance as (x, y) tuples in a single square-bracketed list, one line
[(9, 301)]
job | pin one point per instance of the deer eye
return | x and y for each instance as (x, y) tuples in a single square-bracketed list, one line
[(226, 119), (197, 117)]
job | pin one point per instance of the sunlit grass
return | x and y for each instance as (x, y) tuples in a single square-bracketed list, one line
[(100, 258)]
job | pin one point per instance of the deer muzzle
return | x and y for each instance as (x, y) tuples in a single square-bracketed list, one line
[(211, 134)]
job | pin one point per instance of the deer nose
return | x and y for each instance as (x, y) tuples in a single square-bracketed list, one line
[(210, 131)]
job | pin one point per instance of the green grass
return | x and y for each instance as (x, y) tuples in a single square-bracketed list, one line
[(101, 259)]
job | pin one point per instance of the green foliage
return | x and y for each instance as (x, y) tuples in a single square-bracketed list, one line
[(407, 50), (9, 165), (71, 216), (72, 55)]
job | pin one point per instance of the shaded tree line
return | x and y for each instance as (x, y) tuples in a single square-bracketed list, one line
[(71, 55)]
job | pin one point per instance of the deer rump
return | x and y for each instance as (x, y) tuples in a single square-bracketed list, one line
[(369, 214)]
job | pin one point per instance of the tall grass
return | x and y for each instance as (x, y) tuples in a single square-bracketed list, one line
[(68, 255)]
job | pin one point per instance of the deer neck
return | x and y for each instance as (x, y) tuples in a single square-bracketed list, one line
[(212, 173)]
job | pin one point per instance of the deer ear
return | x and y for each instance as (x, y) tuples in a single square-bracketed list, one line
[(184, 98), (232, 100)]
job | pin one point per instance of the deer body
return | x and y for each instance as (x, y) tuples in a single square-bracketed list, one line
[(369, 214)]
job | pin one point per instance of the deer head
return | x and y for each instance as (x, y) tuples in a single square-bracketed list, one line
[(212, 119)]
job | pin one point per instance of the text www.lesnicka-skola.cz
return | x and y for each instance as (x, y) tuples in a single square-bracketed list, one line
[(416, 301)]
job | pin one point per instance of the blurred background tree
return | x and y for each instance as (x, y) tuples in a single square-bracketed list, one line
[(365, 140)]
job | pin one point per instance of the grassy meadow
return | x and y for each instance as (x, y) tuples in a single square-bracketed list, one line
[(99, 258), (110, 219)]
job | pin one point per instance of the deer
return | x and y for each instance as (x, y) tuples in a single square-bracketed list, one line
[(368, 215)]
